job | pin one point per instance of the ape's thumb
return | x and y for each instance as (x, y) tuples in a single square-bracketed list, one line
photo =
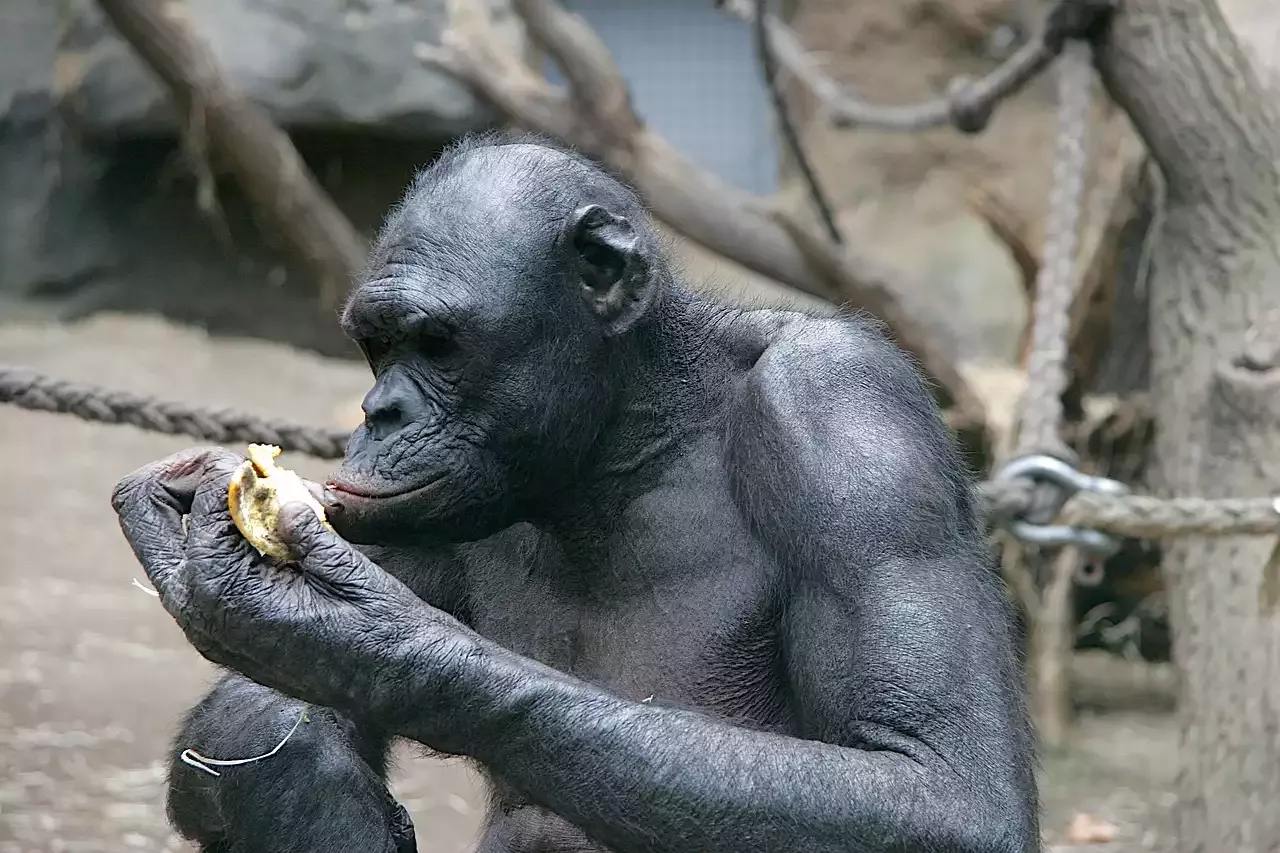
[(317, 548), (301, 529)]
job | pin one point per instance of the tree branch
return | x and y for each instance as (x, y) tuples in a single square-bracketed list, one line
[(597, 117), (768, 69), (263, 158), (968, 104)]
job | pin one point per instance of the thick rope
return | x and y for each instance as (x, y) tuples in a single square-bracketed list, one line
[(1145, 517), (1132, 515), (30, 390), (1040, 422), (1140, 516)]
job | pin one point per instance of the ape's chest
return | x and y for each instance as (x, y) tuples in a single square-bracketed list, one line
[(704, 646), (679, 604)]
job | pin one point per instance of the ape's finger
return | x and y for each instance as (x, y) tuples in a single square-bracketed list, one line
[(220, 557), (319, 550), (214, 536), (210, 501), (150, 504), (179, 471)]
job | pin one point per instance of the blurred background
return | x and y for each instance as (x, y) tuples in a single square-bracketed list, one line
[(132, 256)]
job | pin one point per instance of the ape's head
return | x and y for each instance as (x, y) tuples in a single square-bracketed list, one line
[(497, 301)]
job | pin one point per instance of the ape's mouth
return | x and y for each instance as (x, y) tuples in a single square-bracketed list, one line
[(363, 513), (345, 489)]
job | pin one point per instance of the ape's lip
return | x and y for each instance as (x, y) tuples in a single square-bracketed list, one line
[(362, 493)]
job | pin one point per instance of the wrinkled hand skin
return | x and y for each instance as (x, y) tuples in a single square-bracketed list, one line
[(323, 628)]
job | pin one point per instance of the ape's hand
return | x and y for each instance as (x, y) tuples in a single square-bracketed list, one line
[(326, 627)]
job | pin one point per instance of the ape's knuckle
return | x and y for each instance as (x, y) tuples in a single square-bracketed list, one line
[(387, 603), (206, 552), (224, 541), (202, 643), (330, 555), (123, 494), (212, 459)]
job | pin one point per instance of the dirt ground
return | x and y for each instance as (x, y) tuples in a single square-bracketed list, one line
[(93, 674)]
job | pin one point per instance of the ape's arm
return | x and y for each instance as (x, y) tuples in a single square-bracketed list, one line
[(896, 643), (643, 778)]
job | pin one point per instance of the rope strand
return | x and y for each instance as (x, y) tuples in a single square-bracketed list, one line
[(30, 390)]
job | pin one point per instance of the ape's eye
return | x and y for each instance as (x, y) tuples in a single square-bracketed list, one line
[(375, 350), (436, 342)]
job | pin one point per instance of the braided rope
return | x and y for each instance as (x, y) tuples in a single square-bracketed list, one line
[(30, 390), (1041, 406), (1146, 517), (1008, 500), (1133, 515), (1138, 516)]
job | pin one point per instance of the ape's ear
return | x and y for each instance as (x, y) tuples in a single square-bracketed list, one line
[(612, 266)]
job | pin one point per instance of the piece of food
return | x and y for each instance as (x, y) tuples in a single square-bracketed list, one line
[(259, 488)]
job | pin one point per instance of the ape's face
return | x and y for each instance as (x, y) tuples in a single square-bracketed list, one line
[(486, 317)]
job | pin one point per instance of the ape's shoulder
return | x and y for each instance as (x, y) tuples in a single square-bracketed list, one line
[(834, 420), (842, 367)]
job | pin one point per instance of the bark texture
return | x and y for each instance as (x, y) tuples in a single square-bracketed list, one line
[(262, 157), (1215, 296)]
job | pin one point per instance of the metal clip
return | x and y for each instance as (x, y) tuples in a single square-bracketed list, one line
[(1042, 468)]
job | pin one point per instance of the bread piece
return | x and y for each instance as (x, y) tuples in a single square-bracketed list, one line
[(259, 488)]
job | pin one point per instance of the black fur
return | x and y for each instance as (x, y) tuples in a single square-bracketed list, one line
[(722, 566)]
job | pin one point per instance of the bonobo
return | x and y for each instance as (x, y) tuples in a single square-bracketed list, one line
[(676, 576)]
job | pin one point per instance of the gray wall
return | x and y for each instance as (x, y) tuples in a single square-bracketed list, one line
[(695, 80)]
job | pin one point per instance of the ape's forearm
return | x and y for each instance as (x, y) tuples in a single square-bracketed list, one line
[(643, 778)]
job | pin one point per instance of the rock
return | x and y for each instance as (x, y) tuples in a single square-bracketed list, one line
[(98, 206), (134, 239), (313, 64), (50, 235), (45, 178)]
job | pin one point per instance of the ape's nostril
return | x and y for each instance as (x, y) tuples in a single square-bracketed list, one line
[(385, 421), (393, 413), (386, 407)]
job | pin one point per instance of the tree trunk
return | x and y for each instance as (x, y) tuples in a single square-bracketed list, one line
[(1215, 294)]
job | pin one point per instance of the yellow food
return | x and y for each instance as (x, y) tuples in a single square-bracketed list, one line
[(258, 490)]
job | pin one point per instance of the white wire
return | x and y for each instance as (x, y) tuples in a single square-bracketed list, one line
[(201, 762), (148, 590), (194, 759)]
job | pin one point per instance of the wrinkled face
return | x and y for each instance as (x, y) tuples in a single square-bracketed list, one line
[(494, 295)]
